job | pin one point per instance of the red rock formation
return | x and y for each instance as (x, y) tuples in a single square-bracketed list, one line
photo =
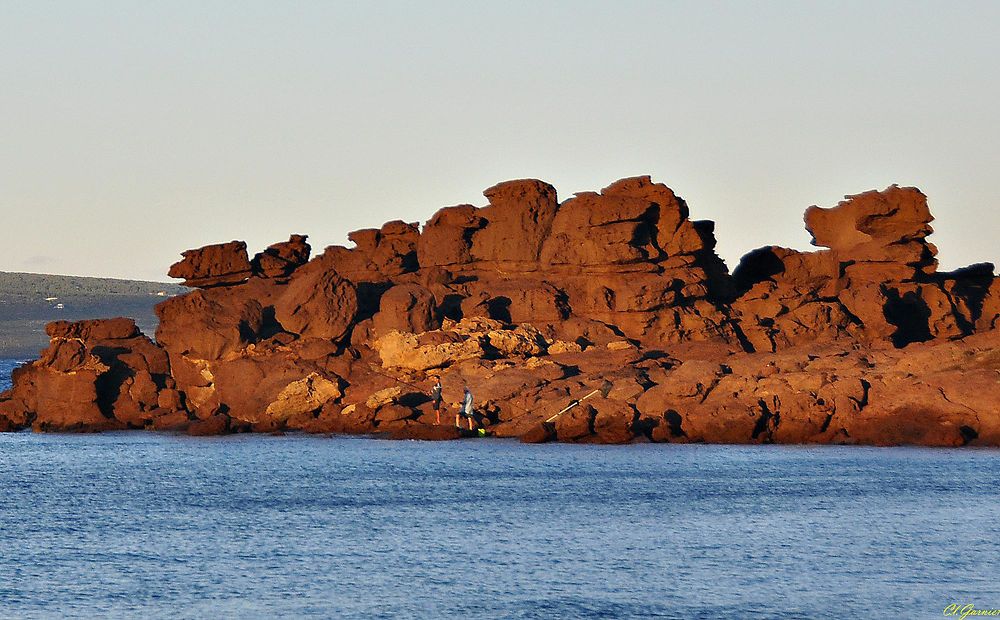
[(876, 283), (533, 304), (95, 375), (283, 258), (317, 303), (517, 221), (876, 227), (213, 265), (407, 307)]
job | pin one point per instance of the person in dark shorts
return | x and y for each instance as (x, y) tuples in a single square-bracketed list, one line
[(436, 399)]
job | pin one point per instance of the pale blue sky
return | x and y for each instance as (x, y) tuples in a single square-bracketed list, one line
[(132, 130)]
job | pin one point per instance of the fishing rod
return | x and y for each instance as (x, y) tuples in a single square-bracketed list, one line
[(604, 389)]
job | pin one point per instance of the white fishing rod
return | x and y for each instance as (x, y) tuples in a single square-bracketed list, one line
[(603, 389)]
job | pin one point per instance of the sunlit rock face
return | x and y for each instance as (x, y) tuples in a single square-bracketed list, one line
[(612, 301)]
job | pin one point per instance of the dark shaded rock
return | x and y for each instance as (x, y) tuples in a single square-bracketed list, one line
[(539, 433), (6, 426), (281, 259), (411, 429)]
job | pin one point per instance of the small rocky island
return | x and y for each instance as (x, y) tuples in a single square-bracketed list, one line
[(534, 304)]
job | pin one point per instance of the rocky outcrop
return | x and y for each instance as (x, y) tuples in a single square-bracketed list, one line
[(516, 222), (317, 303), (281, 259), (877, 283), (94, 375), (213, 265), (876, 230), (408, 308), (612, 301)]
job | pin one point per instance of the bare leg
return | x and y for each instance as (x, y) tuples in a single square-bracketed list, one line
[(470, 424), (457, 422)]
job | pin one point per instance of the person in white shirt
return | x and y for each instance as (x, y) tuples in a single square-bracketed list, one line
[(467, 408)]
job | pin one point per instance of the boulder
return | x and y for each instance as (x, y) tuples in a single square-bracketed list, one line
[(209, 324), (215, 425), (281, 259), (867, 226), (613, 420), (576, 424), (213, 265), (517, 221), (446, 239), (403, 350), (94, 375), (380, 254), (317, 303), (406, 308), (304, 396), (675, 234)]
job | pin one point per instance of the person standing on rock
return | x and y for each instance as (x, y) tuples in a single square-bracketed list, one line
[(466, 409), (436, 399)]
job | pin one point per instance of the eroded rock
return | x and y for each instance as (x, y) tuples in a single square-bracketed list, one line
[(213, 265), (613, 300)]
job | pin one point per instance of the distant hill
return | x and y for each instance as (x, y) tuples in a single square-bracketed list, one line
[(28, 301)]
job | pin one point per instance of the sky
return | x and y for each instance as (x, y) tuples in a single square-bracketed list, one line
[(131, 131)]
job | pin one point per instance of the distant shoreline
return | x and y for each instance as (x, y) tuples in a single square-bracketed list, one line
[(28, 301)]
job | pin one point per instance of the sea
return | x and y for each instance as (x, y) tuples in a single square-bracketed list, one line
[(144, 525)]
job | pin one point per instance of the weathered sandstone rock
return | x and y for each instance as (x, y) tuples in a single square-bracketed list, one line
[(616, 296), (213, 265), (281, 259), (318, 303)]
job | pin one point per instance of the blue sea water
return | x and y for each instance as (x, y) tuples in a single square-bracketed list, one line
[(6, 366), (152, 525)]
